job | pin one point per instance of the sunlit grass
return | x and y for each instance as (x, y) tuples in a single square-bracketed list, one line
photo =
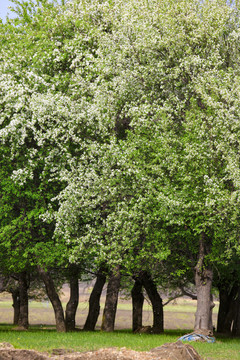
[(179, 314), (45, 339)]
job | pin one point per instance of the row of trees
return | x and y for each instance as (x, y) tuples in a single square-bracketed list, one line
[(120, 152)]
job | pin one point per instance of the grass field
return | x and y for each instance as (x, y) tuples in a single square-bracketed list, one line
[(47, 340), (178, 318), (177, 315)]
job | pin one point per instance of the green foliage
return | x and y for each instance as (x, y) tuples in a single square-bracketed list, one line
[(119, 133)]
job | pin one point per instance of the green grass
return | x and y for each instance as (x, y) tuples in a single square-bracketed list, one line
[(46, 339)]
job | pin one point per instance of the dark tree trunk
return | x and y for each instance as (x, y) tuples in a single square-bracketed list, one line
[(16, 306), (203, 282), (23, 300), (72, 305), (137, 305), (224, 303), (236, 314), (227, 307), (54, 298), (156, 302), (110, 308), (94, 303)]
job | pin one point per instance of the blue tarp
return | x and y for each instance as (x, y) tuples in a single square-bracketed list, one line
[(197, 337)]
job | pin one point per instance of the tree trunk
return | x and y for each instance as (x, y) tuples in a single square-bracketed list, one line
[(211, 312), (227, 299), (54, 298), (156, 302), (236, 314), (137, 305), (16, 306), (23, 300), (72, 304), (110, 308), (94, 303), (203, 282)]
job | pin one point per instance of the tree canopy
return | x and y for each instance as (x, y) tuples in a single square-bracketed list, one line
[(120, 135)]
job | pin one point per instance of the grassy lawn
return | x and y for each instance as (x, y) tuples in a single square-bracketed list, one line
[(47, 339), (178, 319)]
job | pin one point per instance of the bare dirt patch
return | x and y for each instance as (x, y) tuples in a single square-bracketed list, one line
[(171, 351)]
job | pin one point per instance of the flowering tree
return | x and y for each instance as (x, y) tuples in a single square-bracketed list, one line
[(172, 78), (30, 140), (180, 68), (123, 116)]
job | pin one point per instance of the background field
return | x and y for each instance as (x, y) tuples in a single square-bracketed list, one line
[(179, 314)]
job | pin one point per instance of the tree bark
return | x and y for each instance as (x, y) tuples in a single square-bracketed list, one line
[(227, 307), (137, 305), (236, 314), (72, 305), (203, 282), (109, 313), (54, 298), (94, 303), (156, 302), (16, 306), (23, 300)]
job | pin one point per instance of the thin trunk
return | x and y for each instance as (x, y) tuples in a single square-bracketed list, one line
[(16, 306), (94, 303), (23, 299), (72, 305), (54, 298), (156, 302), (203, 282), (137, 305), (109, 313)]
